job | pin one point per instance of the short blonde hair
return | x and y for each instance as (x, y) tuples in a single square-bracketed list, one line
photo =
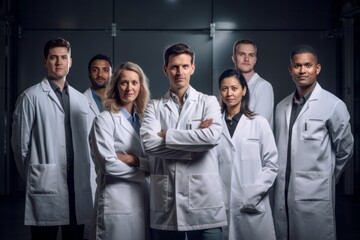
[(112, 100)]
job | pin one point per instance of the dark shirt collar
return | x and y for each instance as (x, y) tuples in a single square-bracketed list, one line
[(301, 100), (56, 88)]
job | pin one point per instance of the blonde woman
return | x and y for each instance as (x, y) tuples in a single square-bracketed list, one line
[(121, 196)]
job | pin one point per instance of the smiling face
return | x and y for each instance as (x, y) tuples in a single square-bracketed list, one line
[(304, 69), (128, 88), (232, 92), (58, 63), (100, 73), (179, 70)]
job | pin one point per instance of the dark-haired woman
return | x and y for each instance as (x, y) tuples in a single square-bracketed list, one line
[(248, 162)]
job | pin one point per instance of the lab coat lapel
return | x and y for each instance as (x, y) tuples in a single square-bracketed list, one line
[(187, 109), (313, 97), (119, 117), (171, 106), (47, 88), (225, 131)]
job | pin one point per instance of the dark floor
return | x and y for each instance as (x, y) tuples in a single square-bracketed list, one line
[(12, 218)]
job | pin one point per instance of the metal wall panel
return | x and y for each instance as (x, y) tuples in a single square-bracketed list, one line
[(276, 14), (66, 14), (163, 14)]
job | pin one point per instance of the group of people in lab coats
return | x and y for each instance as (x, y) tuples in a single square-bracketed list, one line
[(182, 166)]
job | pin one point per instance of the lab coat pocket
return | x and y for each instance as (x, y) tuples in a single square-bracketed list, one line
[(118, 198), (205, 191), (312, 129), (248, 199), (250, 149), (43, 179), (312, 186), (158, 192)]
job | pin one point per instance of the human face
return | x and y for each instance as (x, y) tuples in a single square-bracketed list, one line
[(100, 73), (245, 58), (304, 69), (179, 71), (232, 92), (128, 87), (58, 63)]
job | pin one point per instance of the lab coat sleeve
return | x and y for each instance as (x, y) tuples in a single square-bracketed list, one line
[(269, 157), (23, 119), (342, 139), (103, 151), (264, 105), (201, 139), (153, 144)]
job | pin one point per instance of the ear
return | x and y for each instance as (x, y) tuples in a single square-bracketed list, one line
[(233, 59), (70, 62), (289, 69), (165, 70), (244, 92), (44, 62), (192, 69), (318, 68)]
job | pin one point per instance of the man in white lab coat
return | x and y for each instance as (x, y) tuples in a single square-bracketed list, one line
[(99, 71), (314, 141), (261, 92), (180, 131), (50, 143)]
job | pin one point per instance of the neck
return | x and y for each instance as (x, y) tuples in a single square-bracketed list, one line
[(248, 75), (59, 82), (129, 107), (303, 90), (232, 111), (100, 92), (180, 94)]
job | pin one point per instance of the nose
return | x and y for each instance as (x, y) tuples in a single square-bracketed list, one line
[(302, 69)]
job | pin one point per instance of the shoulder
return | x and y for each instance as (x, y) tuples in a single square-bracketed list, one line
[(261, 82), (284, 102)]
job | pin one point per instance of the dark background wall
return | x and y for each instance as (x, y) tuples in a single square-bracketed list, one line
[(139, 30)]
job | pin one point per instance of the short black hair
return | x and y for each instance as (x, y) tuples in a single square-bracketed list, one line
[(303, 48), (99, 57), (57, 42), (177, 49)]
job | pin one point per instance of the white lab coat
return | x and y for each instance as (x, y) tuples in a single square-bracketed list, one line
[(94, 111), (185, 192), (321, 144), (121, 201), (38, 141), (261, 98), (248, 168)]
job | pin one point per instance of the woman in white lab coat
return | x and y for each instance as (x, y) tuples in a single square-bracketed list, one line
[(247, 163), (121, 201)]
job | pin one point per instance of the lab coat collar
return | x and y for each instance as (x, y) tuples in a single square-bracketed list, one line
[(91, 101), (314, 97), (119, 117), (168, 101), (45, 84), (241, 124)]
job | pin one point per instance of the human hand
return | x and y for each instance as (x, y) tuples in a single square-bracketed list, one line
[(206, 123), (162, 134), (129, 159)]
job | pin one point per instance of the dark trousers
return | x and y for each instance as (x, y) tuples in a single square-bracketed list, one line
[(205, 234), (68, 232)]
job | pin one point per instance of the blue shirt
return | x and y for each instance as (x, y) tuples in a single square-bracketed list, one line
[(133, 120), (97, 100)]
